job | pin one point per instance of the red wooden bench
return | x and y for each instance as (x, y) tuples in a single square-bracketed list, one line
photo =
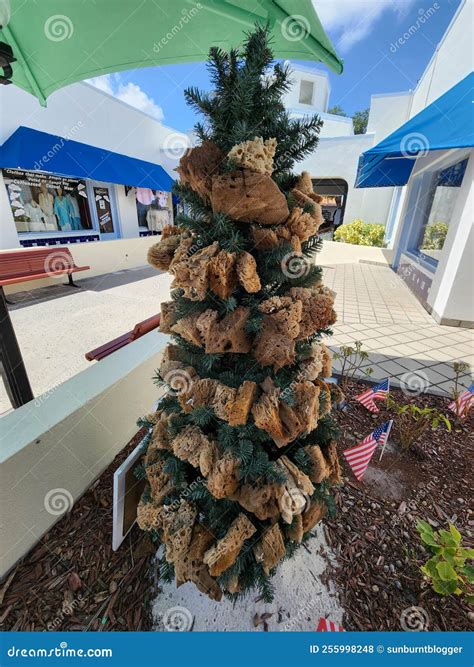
[(20, 266), (138, 331)]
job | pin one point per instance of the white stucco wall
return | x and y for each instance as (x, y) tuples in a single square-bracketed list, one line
[(103, 257), (451, 296), (338, 157), (321, 92), (57, 444), (83, 113), (451, 61), (387, 113)]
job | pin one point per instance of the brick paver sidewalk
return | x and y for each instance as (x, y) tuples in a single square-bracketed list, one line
[(375, 307)]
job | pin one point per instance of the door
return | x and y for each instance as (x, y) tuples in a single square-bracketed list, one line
[(104, 208), (334, 194)]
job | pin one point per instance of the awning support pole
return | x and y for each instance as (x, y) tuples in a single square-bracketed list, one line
[(13, 368)]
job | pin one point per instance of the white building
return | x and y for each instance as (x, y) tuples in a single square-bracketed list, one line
[(85, 114), (82, 113), (441, 277)]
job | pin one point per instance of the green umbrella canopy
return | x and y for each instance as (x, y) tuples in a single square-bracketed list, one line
[(58, 42)]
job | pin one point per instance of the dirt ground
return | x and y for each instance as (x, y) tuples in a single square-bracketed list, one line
[(72, 580), (374, 535)]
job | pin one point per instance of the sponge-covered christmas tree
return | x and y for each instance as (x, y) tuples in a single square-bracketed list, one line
[(241, 454)]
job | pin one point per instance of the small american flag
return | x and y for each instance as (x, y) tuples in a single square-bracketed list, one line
[(326, 625), (463, 403), (367, 398), (358, 457)]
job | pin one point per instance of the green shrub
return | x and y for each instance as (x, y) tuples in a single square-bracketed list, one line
[(434, 236), (447, 568), (359, 232)]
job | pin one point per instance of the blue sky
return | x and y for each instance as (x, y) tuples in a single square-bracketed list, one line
[(366, 35)]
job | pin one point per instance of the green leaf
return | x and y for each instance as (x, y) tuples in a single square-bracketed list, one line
[(466, 553), (446, 572), (423, 525), (468, 572), (455, 533), (429, 568), (446, 538), (444, 587)]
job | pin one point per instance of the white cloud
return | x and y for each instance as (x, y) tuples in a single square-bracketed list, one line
[(103, 83), (352, 21), (130, 93)]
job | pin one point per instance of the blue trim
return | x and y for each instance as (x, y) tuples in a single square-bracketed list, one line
[(422, 260), (58, 240), (391, 162), (38, 151), (149, 233)]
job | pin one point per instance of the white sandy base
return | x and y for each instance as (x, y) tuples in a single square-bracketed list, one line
[(300, 599)]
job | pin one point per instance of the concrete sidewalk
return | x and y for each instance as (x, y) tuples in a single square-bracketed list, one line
[(57, 325), (375, 306)]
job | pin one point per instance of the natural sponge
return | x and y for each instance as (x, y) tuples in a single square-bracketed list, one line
[(161, 254), (198, 165), (224, 554), (247, 272), (192, 273), (247, 196), (255, 154)]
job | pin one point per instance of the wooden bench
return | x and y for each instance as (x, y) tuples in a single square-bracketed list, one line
[(138, 331), (20, 266)]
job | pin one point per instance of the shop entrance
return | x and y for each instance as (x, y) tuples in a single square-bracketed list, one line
[(334, 192), (104, 211)]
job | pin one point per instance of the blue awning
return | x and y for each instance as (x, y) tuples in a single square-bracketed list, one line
[(38, 151), (446, 123)]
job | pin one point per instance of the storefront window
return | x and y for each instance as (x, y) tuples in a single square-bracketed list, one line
[(154, 209), (441, 199), (47, 203)]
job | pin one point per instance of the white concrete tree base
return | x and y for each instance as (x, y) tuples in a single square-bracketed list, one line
[(300, 599)]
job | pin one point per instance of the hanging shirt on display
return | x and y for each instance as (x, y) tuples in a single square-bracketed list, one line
[(76, 215), (145, 196), (36, 216), (63, 211)]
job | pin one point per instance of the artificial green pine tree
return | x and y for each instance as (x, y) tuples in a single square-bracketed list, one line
[(241, 452)]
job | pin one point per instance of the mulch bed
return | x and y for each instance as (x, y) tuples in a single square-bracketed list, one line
[(72, 580), (374, 534)]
